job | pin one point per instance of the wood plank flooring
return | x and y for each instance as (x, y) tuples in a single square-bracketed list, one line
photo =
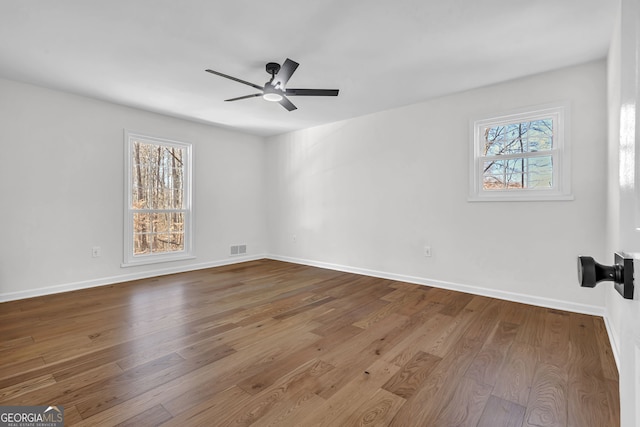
[(267, 343)]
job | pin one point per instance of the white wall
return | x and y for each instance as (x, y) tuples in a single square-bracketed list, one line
[(368, 193), (62, 190)]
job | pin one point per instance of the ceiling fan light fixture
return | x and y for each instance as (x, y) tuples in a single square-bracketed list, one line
[(272, 96)]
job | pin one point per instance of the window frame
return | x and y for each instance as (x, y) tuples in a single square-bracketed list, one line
[(560, 153), (129, 259)]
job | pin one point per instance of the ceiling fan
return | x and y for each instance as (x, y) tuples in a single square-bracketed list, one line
[(275, 90)]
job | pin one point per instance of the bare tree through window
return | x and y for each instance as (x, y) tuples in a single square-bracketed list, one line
[(157, 198), (517, 156)]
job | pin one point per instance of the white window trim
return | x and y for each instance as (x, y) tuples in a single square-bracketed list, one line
[(129, 259), (561, 154)]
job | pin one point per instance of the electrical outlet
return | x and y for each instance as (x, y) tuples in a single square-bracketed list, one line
[(427, 251), (96, 251)]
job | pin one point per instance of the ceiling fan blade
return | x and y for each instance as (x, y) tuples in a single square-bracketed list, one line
[(235, 79), (244, 97), (287, 104), (285, 73), (312, 92)]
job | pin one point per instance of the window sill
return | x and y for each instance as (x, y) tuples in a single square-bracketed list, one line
[(156, 260), (521, 198)]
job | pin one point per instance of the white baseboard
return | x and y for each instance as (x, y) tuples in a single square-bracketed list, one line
[(103, 281), (493, 293)]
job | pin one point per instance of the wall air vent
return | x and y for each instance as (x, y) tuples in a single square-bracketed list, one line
[(236, 250)]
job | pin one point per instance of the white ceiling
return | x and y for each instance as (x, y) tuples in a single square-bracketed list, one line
[(381, 54)]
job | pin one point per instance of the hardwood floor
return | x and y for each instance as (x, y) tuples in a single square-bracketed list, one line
[(267, 343)]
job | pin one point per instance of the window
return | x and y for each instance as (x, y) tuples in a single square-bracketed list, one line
[(158, 204), (521, 156)]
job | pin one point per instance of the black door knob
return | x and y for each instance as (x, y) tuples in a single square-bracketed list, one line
[(590, 272), (621, 273)]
